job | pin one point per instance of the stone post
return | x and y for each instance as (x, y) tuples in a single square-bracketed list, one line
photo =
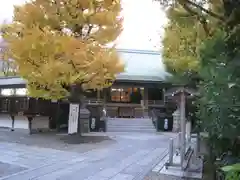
[(171, 151), (178, 143), (84, 120), (188, 131), (30, 119), (183, 126), (176, 121), (13, 122)]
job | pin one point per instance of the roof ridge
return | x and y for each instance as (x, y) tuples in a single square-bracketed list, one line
[(139, 51)]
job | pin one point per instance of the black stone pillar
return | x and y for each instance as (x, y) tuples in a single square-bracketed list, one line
[(13, 122), (30, 118)]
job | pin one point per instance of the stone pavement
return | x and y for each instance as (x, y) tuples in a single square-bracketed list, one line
[(130, 157), (51, 140)]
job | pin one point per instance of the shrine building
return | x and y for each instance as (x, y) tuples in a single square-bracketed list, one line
[(134, 94)]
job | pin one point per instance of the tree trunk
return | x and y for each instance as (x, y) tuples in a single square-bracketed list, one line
[(230, 6), (232, 14), (56, 117)]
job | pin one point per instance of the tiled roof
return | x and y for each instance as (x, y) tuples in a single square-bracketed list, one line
[(140, 65), (4, 81), (176, 90)]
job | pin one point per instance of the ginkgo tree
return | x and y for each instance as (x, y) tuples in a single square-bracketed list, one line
[(185, 32), (183, 35), (59, 43)]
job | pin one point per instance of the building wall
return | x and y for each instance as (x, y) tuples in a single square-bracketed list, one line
[(21, 122)]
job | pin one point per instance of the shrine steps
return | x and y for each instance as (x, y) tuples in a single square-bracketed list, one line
[(143, 125)]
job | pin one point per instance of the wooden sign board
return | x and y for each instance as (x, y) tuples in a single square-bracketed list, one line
[(73, 118)]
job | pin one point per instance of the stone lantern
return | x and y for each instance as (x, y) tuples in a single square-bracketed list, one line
[(179, 95)]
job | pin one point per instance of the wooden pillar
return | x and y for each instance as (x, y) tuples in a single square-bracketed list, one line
[(163, 94), (145, 96), (142, 92), (145, 101)]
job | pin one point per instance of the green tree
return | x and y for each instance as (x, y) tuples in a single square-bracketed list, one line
[(219, 103), (218, 61), (183, 35)]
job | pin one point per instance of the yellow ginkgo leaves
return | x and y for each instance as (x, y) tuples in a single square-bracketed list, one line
[(58, 43), (183, 36)]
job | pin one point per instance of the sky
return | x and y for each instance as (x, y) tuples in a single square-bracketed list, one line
[(143, 23)]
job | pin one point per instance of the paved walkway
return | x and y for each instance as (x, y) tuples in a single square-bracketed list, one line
[(131, 156)]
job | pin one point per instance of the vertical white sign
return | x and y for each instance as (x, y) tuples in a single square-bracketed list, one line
[(73, 118), (188, 131)]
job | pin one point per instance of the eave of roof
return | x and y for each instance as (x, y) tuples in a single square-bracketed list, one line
[(177, 90)]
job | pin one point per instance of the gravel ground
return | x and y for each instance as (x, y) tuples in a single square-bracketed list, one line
[(57, 141)]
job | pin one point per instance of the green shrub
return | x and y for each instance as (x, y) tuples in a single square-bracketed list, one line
[(232, 172)]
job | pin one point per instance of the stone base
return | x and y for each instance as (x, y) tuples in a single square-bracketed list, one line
[(175, 172)]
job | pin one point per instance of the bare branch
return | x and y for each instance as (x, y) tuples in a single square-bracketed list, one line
[(90, 27), (201, 18), (211, 13)]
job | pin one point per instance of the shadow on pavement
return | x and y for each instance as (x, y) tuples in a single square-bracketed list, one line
[(77, 139), (54, 140)]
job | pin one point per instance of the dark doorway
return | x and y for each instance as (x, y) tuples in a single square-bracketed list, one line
[(136, 96), (155, 94)]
